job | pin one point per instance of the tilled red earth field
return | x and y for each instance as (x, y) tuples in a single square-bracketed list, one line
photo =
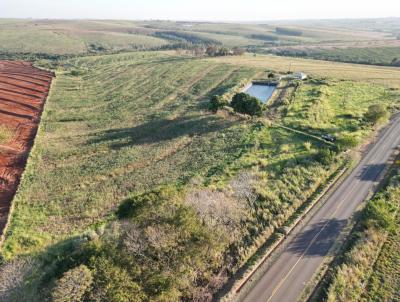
[(23, 92)]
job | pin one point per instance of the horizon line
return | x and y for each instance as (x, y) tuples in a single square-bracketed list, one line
[(200, 20)]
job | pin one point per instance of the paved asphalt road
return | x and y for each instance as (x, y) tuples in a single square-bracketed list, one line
[(285, 280)]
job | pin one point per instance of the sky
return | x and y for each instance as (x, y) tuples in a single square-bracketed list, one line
[(207, 10)]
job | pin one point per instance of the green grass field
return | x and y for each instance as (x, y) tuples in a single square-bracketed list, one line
[(337, 107), (127, 152), (98, 145)]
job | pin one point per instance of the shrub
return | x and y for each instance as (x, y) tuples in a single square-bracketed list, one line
[(347, 142), (376, 113), (12, 278), (212, 51), (246, 104), (395, 62), (380, 213), (113, 283), (75, 72), (325, 156), (285, 148), (237, 51), (73, 285), (217, 102), (307, 146)]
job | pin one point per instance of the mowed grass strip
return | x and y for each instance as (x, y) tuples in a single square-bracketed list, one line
[(389, 76), (126, 123)]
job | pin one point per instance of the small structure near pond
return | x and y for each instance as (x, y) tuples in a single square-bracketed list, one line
[(301, 76)]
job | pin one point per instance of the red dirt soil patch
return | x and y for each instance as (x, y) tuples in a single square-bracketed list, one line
[(23, 92)]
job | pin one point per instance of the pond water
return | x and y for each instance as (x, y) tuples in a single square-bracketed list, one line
[(261, 92)]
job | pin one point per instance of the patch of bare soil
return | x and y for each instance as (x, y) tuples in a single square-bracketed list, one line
[(23, 92)]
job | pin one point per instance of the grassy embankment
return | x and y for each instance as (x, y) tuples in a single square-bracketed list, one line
[(118, 127)]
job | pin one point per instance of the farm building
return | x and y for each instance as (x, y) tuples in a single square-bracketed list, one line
[(300, 76)]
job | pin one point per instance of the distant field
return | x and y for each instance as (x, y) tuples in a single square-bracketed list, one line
[(362, 55), (72, 37), (60, 37), (389, 76)]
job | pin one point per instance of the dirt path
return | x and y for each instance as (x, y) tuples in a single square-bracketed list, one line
[(23, 91)]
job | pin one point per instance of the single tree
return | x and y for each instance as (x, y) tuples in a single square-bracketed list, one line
[(237, 51), (247, 104), (212, 51), (217, 102), (73, 285), (376, 113)]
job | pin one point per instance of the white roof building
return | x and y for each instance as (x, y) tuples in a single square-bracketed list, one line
[(297, 76), (300, 76)]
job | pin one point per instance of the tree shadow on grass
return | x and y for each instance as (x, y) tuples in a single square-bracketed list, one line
[(317, 239), (156, 131)]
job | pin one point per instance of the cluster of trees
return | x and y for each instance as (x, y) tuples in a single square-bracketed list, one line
[(264, 37), (396, 62), (201, 50), (159, 249), (218, 102), (179, 36), (241, 103), (218, 51), (288, 31), (247, 104)]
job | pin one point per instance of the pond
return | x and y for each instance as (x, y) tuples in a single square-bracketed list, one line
[(262, 92)]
